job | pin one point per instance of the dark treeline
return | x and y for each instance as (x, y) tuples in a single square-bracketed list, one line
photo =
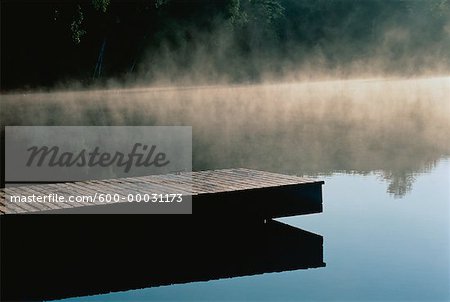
[(48, 43)]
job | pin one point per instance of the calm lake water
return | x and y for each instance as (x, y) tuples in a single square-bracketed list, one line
[(382, 147), (376, 248)]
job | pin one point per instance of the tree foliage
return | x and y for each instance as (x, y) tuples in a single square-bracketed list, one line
[(101, 5), (236, 37), (76, 26)]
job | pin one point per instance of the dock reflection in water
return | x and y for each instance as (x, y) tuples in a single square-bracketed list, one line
[(56, 256)]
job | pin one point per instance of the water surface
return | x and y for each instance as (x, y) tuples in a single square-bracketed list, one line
[(376, 248), (382, 147)]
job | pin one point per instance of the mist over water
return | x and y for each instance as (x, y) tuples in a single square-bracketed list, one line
[(395, 128), (355, 93)]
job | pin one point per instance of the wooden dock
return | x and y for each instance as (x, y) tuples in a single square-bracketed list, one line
[(230, 233), (231, 192)]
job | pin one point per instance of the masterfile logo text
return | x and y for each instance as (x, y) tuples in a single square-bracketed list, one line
[(56, 154), (98, 170)]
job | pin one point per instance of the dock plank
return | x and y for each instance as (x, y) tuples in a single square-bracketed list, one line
[(223, 189)]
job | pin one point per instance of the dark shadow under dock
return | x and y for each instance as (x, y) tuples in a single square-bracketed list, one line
[(46, 257)]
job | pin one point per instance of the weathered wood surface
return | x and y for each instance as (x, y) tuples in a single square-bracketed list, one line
[(226, 186)]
